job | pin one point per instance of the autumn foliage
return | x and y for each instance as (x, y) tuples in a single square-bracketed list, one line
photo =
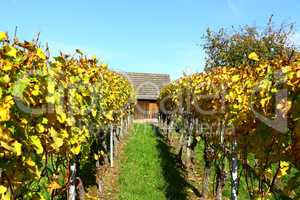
[(259, 107), (50, 111)]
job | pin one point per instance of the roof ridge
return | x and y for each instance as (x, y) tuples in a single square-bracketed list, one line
[(146, 73), (147, 85)]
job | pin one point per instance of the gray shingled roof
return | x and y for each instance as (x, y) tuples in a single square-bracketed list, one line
[(147, 85)]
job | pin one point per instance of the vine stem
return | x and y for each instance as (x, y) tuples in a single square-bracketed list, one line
[(274, 178)]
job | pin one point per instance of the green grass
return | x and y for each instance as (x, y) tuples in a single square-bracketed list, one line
[(150, 171), (148, 168)]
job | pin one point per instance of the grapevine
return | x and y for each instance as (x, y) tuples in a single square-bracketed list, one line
[(253, 117), (50, 109)]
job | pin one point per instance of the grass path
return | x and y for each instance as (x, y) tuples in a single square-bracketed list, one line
[(148, 169)]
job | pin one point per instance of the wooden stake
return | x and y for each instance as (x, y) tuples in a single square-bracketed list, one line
[(111, 147)]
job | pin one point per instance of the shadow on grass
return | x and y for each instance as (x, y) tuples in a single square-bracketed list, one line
[(172, 171)]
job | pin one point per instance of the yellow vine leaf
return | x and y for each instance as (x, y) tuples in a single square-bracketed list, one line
[(96, 157), (11, 51), (53, 132), (4, 114), (42, 197), (274, 90), (44, 120), (61, 117), (40, 54), (73, 79), (102, 153), (109, 116), (264, 101), (86, 80), (3, 189), (51, 87), (286, 69), (30, 162), (24, 121), (269, 171), (38, 173), (284, 167), (50, 99), (37, 144), (7, 67), (6, 146), (265, 85), (35, 92), (70, 121), (94, 112), (85, 93), (58, 142), (78, 98), (5, 193), (64, 134), (17, 148), (7, 196), (104, 65), (236, 106), (253, 56), (298, 74), (5, 79), (9, 100), (3, 36), (53, 186), (76, 150), (235, 78), (40, 128)]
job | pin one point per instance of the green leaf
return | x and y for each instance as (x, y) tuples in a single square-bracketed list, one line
[(79, 51)]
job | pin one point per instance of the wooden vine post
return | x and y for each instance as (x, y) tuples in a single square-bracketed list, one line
[(72, 187), (234, 169), (111, 146), (189, 142), (121, 129)]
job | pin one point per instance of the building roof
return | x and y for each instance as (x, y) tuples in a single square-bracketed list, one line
[(147, 85)]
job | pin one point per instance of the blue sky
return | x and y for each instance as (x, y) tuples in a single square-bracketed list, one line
[(160, 36)]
